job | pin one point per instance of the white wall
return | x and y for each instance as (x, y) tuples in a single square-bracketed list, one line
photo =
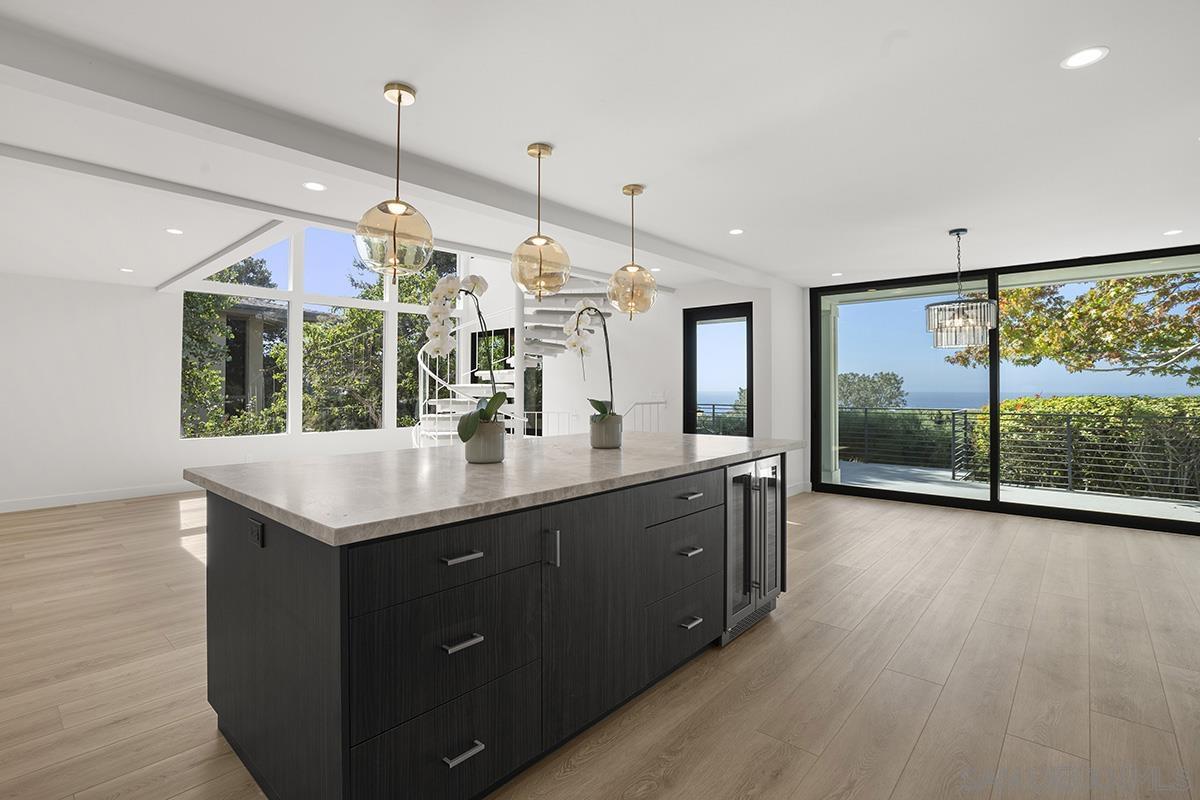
[(648, 363)]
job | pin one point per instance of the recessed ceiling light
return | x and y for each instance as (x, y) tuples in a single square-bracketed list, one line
[(1175, 232), (736, 232), (1084, 58), (836, 274), (313, 186), (656, 269), (126, 269), (175, 231)]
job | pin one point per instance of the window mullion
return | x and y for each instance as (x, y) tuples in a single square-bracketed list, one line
[(295, 365)]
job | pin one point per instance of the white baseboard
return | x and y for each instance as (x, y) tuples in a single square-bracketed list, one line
[(799, 488), (52, 501)]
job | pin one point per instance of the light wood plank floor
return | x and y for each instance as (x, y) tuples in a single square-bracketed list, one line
[(920, 653)]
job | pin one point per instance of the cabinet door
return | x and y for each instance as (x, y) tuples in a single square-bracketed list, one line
[(770, 489), (591, 615), (740, 523)]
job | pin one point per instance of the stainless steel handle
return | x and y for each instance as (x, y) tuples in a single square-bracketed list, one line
[(461, 757), (470, 641), (691, 496), (451, 561), (691, 623), (694, 551), (556, 559)]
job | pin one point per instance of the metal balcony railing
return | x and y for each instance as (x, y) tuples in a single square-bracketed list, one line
[(1135, 456), (725, 419)]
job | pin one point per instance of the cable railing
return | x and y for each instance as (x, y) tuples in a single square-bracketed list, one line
[(1132, 455), (725, 419)]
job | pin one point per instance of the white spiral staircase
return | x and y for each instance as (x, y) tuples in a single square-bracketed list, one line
[(442, 399)]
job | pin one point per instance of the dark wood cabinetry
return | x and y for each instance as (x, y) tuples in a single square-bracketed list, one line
[(435, 664), (591, 612)]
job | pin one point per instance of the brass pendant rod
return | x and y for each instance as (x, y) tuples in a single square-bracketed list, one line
[(539, 196), (632, 259), (399, 103)]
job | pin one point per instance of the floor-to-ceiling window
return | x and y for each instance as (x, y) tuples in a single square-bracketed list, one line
[(718, 370), (1099, 374), (900, 415), (1084, 403)]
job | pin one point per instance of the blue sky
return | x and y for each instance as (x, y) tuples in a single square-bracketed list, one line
[(721, 366), (328, 256), (890, 335)]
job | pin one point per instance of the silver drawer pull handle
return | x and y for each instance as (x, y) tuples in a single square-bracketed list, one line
[(451, 561), (694, 551), (691, 623), (474, 751), (691, 496), (470, 641)]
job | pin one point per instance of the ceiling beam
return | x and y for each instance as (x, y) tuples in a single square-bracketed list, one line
[(55, 66), (81, 167), (248, 245)]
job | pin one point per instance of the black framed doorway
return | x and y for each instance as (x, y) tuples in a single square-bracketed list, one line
[(718, 369), (1068, 468)]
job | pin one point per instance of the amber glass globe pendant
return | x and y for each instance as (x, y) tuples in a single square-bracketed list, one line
[(632, 289), (540, 265), (393, 237)]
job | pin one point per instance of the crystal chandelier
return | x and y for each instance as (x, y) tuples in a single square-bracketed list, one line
[(632, 289), (393, 237), (540, 265), (961, 322)]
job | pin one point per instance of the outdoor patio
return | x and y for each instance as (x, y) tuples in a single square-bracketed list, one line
[(931, 480)]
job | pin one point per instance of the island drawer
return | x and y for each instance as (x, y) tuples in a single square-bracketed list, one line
[(458, 750), (682, 624), (407, 659), (678, 497), (392, 571), (678, 553)]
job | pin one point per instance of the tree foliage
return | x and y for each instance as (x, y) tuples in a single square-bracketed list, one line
[(878, 390), (343, 347), (1141, 325)]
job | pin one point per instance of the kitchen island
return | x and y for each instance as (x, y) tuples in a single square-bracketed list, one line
[(405, 624)]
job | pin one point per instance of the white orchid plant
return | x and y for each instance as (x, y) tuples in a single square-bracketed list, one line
[(440, 344), (579, 341)]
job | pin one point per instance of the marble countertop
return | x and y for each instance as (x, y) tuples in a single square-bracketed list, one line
[(353, 498)]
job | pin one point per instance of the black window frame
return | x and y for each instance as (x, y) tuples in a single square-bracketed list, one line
[(993, 503), (692, 316)]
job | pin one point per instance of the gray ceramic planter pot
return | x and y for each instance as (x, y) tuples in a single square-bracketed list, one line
[(606, 432), (487, 445)]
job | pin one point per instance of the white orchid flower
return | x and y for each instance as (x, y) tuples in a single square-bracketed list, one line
[(571, 325), (439, 345), (438, 312), (438, 329), (448, 285), (585, 303), (475, 284)]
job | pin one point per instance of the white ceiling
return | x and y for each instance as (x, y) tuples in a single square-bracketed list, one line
[(843, 137)]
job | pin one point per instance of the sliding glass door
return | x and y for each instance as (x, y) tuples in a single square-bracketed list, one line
[(1084, 404), (1100, 408), (898, 414)]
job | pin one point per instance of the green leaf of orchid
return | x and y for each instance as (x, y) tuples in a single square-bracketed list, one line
[(467, 425)]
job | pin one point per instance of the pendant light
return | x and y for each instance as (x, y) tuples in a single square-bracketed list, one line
[(540, 265), (393, 237), (960, 323), (632, 289)]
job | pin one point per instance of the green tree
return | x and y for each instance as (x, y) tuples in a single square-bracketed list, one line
[(879, 390), (205, 353), (1141, 325), (343, 370)]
